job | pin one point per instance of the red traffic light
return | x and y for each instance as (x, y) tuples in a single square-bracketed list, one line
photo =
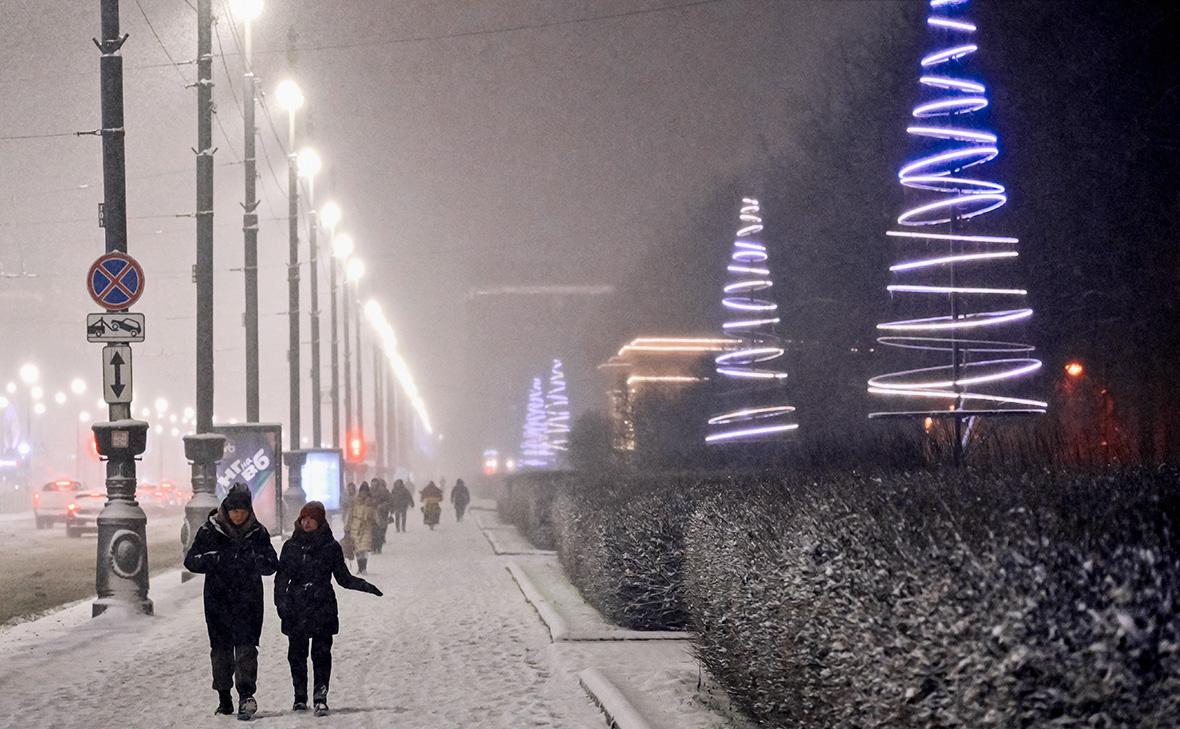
[(355, 447)]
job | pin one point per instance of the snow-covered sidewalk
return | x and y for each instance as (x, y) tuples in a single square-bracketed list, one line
[(452, 644)]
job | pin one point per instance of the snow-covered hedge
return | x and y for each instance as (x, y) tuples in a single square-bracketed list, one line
[(622, 544), (527, 503), (952, 599)]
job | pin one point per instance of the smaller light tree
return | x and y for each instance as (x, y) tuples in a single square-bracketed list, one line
[(557, 412), (534, 447)]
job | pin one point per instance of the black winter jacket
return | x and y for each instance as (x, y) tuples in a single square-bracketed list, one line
[(233, 562), (303, 585)]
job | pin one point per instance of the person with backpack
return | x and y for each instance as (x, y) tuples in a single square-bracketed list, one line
[(306, 602), (233, 551)]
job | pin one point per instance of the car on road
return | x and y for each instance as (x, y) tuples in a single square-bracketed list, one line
[(82, 512), (50, 502)]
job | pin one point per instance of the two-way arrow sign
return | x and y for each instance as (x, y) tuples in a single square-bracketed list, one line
[(116, 373)]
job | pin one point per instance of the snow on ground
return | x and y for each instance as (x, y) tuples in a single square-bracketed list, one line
[(452, 644)]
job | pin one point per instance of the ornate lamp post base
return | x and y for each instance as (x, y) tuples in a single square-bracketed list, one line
[(121, 572), (203, 450), (294, 497)]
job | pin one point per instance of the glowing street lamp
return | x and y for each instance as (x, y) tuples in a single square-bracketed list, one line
[(330, 215), (246, 11), (354, 270), (29, 374), (78, 386), (309, 164), (1075, 369), (342, 246), (290, 96)]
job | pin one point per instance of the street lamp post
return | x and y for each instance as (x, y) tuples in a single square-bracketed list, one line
[(247, 11), (357, 268), (330, 216), (291, 99), (204, 448), (309, 167)]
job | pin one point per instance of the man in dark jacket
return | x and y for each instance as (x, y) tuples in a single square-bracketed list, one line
[(400, 500), (233, 551), (460, 497), (307, 603)]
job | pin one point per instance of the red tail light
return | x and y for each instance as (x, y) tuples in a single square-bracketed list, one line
[(72, 507), (36, 499)]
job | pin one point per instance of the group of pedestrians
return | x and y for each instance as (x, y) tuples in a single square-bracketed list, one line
[(233, 550)]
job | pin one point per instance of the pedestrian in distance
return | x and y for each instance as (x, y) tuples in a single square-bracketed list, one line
[(431, 504), (359, 526), (349, 497), (401, 500), (233, 551), (381, 504), (460, 497), (306, 602)]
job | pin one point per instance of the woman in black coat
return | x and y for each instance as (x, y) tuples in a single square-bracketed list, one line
[(233, 551), (307, 603)]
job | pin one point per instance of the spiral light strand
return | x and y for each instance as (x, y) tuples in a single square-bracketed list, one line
[(751, 366), (947, 130), (534, 447), (557, 411)]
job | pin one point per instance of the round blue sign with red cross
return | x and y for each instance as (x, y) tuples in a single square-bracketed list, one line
[(115, 281)]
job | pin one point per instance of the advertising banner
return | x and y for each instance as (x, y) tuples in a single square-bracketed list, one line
[(254, 456), (323, 476)]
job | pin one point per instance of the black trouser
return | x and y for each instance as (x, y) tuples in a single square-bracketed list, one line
[(460, 507), (235, 665), (399, 519), (321, 663)]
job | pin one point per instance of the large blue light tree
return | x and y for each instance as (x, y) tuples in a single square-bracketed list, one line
[(534, 447), (959, 309), (752, 376)]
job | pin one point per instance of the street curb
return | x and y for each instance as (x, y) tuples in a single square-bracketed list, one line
[(558, 628), (619, 712), (500, 549)]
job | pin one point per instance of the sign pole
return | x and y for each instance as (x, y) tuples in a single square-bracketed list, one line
[(121, 565)]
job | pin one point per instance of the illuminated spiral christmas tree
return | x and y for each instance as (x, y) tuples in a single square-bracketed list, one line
[(557, 411), (534, 448), (751, 374), (950, 278)]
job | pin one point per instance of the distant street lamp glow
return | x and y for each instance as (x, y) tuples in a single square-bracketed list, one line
[(342, 246), (84, 417), (36, 392), (59, 397), (330, 214), (161, 406), (354, 270), (1075, 369), (308, 162), (78, 386), (10, 388), (39, 408), (246, 10), (29, 373), (289, 95)]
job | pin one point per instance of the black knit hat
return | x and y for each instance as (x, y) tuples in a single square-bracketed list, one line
[(238, 498)]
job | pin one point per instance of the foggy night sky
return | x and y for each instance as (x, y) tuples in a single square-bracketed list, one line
[(542, 156)]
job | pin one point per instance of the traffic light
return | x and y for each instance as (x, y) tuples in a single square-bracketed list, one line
[(355, 451)]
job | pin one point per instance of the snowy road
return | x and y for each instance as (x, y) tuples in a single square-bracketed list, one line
[(452, 644), (43, 568)]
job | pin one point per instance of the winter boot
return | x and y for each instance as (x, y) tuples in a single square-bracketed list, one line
[(362, 564), (225, 703), (247, 708), (300, 704), (321, 701)]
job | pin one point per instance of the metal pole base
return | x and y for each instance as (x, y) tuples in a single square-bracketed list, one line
[(121, 568), (294, 497), (203, 451)]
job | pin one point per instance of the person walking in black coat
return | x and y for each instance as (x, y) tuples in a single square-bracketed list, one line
[(307, 603), (233, 551), (460, 497), (400, 501)]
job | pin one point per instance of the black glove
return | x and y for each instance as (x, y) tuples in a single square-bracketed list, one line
[(372, 590)]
